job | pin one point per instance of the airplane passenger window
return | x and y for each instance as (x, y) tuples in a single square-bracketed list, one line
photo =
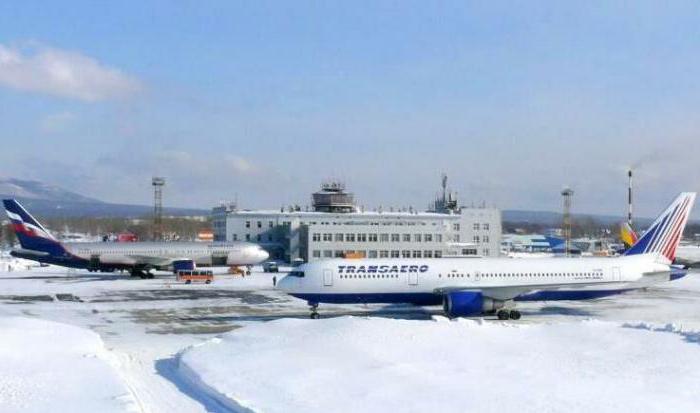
[(299, 274)]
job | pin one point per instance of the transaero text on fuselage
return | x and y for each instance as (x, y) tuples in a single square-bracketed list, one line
[(380, 269)]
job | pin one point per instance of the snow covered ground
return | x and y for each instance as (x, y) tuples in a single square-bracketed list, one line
[(47, 366), (239, 344), (354, 364)]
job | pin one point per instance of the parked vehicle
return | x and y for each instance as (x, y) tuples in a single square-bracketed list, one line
[(188, 276), (271, 266)]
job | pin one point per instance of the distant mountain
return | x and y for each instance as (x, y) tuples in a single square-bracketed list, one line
[(18, 188), (45, 200)]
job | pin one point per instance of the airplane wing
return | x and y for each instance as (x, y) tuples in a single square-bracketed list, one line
[(510, 292), (150, 260)]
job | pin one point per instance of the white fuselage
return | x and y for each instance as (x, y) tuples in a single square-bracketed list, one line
[(163, 253), (502, 278)]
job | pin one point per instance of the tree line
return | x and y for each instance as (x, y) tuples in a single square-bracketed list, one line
[(174, 228)]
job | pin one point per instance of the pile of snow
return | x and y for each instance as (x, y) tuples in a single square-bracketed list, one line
[(351, 364), (47, 366)]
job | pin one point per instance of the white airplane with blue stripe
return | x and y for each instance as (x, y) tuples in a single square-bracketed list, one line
[(139, 258), (473, 287)]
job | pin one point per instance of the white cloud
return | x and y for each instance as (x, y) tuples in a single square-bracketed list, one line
[(238, 164), (63, 73), (56, 122)]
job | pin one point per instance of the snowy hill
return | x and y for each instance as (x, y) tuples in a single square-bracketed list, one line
[(45, 200), (17, 188)]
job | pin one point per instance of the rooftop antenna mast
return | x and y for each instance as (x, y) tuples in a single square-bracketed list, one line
[(567, 193), (444, 187), (629, 198), (158, 184)]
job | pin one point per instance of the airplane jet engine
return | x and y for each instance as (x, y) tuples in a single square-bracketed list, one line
[(469, 303)]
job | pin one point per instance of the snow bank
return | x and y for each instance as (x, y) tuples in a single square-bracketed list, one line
[(351, 364), (47, 366)]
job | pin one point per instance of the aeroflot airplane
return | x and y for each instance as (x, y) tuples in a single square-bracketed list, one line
[(468, 287), (137, 257)]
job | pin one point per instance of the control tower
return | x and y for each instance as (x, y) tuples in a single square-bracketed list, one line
[(333, 198)]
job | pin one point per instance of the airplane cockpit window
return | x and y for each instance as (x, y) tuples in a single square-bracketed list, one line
[(299, 274)]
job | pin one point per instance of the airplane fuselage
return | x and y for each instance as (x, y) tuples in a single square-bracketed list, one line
[(426, 281), (159, 255)]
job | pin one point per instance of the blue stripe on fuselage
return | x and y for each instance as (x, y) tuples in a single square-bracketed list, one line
[(374, 298), (436, 299), (573, 295)]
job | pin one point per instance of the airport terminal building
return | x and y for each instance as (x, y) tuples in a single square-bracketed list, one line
[(335, 227)]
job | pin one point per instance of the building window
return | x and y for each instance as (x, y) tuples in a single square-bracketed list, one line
[(372, 254), (428, 237), (394, 253), (486, 252), (361, 237), (456, 238), (438, 237), (316, 254), (327, 253), (384, 237), (247, 237), (428, 254), (259, 224), (259, 237), (384, 254), (469, 251), (247, 224), (328, 237), (406, 237), (455, 227), (373, 238), (485, 239), (339, 237), (417, 237), (417, 254), (270, 224), (234, 237), (316, 236), (338, 254), (438, 254), (476, 239), (486, 226), (406, 254), (350, 237), (476, 226), (394, 237)]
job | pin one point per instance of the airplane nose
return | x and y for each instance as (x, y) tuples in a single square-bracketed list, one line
[(263, 255)]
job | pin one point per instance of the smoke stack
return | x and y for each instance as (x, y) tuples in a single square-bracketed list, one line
[(629, 198)]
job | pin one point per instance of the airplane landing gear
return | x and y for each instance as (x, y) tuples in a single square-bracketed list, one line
[(508, 314), (142, 274), (314, 313)]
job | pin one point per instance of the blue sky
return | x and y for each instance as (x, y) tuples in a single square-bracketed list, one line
[(263, 100)]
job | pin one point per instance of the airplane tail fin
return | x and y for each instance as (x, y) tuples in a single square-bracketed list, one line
[(30, 233), (664, 235), (627, 235)]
